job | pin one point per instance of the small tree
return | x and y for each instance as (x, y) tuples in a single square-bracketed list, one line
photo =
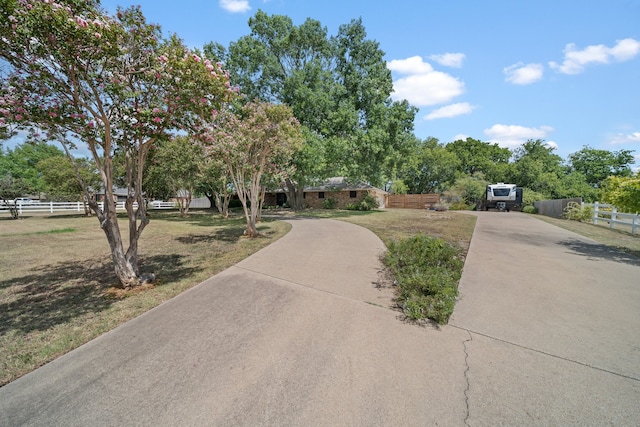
[(78, 75), (61, 182), (215, 182), (251, 141), (179, 160), (10, 189)]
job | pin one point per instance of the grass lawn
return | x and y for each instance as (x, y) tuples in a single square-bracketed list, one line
[(57, 281)]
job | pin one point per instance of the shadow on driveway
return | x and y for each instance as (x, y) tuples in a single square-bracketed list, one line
[(595, 252)]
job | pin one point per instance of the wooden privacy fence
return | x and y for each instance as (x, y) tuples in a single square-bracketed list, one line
[(609, 214), (412, 201), (554, 208)]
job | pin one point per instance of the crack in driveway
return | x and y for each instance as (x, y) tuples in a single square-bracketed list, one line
[(466, 377)]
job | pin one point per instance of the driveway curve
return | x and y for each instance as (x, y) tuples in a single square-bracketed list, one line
[(299, 334)]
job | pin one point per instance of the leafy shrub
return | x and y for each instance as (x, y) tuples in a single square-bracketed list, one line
[(368, 203), (530, 209), (577, 212), (529, 197), (351, 207), (329, 203), (460, 206), (427, 271)]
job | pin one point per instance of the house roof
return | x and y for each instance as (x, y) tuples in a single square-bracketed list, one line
[(337, 184), (340, 183)]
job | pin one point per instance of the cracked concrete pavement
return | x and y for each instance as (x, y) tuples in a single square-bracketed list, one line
[(299, 334), (553, 319)]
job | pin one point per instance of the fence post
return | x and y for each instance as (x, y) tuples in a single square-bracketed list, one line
[(51, 207), (634, 224), (595, 213), (612, 224)]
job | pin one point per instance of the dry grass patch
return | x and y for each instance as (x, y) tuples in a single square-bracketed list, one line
[(57, 285), (395, 224)]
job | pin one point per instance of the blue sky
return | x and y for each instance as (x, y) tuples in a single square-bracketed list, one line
[(502, 71)]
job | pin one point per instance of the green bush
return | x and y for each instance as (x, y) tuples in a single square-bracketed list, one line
[(368, 203), (351, 207), (329, 203), (530, 209), (427, 271), (529, 197), (460, 206), (577, 212)]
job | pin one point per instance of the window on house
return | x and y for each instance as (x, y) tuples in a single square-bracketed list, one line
[(321, 195), (304, 195), (353, 194)]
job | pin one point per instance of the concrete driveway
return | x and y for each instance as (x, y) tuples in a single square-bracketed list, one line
[(299, 334), (554, 322)]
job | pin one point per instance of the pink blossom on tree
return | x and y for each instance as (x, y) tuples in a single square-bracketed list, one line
[(253, 141), (77, 75)]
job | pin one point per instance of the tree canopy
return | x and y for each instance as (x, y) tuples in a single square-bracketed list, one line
[(597, 165), (77, 75), (254, 142), (338, 88)]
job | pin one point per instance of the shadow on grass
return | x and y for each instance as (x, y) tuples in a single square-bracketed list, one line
[(599, 251), (56, 294), (228, 234)]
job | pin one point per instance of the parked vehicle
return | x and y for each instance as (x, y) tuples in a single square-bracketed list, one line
[(502, 197)]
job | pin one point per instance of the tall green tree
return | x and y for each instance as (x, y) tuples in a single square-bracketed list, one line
[(538, 168), (76, 74), (65, 181), (429, 168), (22, 162), (476, 156), (597, 165), (337, 87)]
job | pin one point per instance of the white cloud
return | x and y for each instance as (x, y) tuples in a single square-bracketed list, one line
[(423, 86), (412, 65), (449, 59), (511, 136), (452, 110), (235, 6), (520, 74), (621, 138), (576, 60), (460, 137)]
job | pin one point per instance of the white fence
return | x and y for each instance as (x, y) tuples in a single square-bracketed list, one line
[(609, 214), (70, 207)]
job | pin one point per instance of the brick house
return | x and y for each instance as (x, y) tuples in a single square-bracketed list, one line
[(338, 189)]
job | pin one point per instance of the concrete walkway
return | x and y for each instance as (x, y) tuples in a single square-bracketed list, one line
[(299, 334)]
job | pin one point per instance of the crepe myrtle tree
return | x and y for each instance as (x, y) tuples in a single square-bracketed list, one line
[(253, 141), (79, 76)]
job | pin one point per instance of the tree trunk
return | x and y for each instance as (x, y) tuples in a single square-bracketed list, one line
[(222, 203), (295, 193), (126, 270)]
